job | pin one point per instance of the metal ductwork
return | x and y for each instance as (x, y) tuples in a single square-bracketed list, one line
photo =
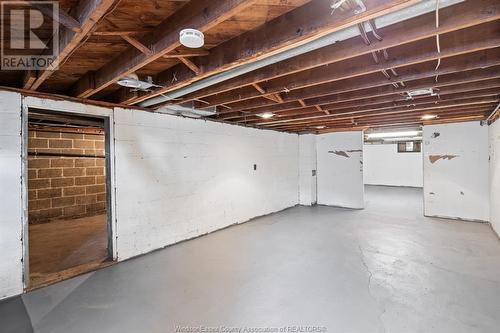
[(188, 110), (421, 8)]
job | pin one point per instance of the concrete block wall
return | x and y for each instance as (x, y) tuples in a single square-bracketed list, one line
[(192, 176), (65, 187), (11, 207), (494, 140)]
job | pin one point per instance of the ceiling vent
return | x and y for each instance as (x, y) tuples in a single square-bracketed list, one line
[(192, 38)]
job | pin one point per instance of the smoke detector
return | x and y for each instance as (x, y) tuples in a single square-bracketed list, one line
[(192, 38)]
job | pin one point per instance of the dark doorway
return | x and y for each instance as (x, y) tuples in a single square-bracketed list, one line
[(68, 219)]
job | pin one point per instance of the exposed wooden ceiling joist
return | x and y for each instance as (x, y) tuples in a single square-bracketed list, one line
[(347, 69), (87, 13), (453, 18), (328, 93), (201, 15), (299, 26)]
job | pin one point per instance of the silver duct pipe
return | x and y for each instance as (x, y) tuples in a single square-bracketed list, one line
[(188, 110), (421, 8)]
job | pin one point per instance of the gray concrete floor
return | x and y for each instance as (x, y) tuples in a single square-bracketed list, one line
[(382, 269)]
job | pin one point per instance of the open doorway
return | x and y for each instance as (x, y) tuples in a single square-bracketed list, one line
[(68, 197)]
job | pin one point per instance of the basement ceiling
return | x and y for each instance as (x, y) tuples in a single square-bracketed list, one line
[(368, 79)]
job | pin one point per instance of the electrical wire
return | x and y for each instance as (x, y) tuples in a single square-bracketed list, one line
[(438, 46)]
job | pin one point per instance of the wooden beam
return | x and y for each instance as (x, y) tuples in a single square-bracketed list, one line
[(89, 13), (278, 97), (453, 18), (273, 97), (453, 106), (388, 120), (138, 45), (186, 53), (301, 102), (463, 91), (384, 117), (468, 41), (321, 110), (191, 65), (258, 88), (201, 15), (448, 90), (87, 81), (323, 94), (121, 33), (299, 26), (63, 18), (319, 119), (29, 78)]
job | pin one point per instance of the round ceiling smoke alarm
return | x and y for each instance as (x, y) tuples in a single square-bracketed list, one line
[(191, 38)]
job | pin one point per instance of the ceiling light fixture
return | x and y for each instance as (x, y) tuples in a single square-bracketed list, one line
[(192, 38), (420, 92), (392, 134), (266, 115), (428, 116)]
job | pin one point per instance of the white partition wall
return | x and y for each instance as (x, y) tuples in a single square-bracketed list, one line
[(11, 250), (456, 183), (494, 131), (307, 168), (178, 178), (383, 165), (340, 169)]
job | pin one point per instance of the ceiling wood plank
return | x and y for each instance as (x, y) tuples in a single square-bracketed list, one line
[(29, 78), (62, 18), (453, 18), (326, 93), (88, 12), (297, 27), (201, 15), (320, 119), (191, 65), (464, 91), (469, 42), (186, 53), (138, 45)]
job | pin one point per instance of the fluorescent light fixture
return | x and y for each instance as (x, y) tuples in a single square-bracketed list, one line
[(266, 115), (428, 116), (320, 127), (392, 134), (414, 138), (420, 92)]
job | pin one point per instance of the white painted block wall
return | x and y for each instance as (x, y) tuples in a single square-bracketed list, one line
[(456, 181), (340, 169), (307, 163), (383, 165), (494, 137), (11, 251), (177, 178)]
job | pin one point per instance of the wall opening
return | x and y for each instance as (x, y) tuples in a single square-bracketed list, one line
[(69, 223)]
